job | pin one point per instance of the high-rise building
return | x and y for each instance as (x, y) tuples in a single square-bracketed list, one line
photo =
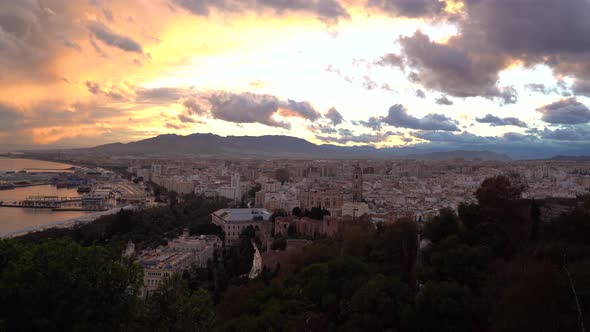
[(156, 170), (357, 184), (235, 183)]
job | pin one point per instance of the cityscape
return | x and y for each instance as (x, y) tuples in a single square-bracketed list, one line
[(295, 165)]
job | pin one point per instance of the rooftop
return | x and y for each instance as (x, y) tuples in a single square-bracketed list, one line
[(237, 215)]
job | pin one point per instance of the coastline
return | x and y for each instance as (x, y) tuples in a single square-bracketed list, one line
[(67, 223)]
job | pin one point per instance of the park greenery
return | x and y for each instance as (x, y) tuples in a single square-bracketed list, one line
[(495, 265)]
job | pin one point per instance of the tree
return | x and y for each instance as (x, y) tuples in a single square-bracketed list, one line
[(572, 227), (527, 295), (536, 221), (277, 213), (62, 286), (379, 304), (470, 214), (174, 307), (316, 213), (279, 243), (172, 198), (445, 224), (397, 246), (443, 306), (458, 262), (297, 212), (498, 190)]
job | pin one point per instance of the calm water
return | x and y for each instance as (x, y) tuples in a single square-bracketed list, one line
[(14, 219), (13, 164)]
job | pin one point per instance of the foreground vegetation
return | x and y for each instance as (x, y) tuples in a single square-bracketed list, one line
[(494, 266)]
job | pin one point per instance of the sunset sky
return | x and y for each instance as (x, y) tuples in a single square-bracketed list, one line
[(456, 74)]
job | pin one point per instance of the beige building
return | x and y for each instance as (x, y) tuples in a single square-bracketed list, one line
[(179, 255), (234, 221), (328, 199)]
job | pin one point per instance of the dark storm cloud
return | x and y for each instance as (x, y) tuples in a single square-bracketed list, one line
[(107, 36), (71, 44), (373, 122), (186, 119), (93, 87), (175, 126), (392, 60), (508, 95), (192, 107), (246, 108), (531, 28), (347, 136), (108, 14), (570, 133), (450, 69), (468, 138), (444, 100), (409, 8), (581, 88), (96, 89), (334, 116), (398, 117), (496, 121), (327, 10), (550, 32), (565, 111), (302, 109), (497, 33), (443, 136), (540, 88), (515, 145), (420, 94), (254, 108), (160, 95), (321, 128)]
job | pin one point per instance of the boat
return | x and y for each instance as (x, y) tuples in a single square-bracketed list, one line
[(84, 189), (6, 186)]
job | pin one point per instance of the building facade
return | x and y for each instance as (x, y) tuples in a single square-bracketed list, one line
[(178, 256), (234, 221)]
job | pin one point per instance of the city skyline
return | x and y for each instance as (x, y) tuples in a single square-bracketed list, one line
[(440, 74)]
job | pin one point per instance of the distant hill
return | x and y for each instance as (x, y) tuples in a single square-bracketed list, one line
[(572, 158), (271, 147), (459, 154)]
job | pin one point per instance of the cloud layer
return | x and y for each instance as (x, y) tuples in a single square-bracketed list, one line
[(399, 117)]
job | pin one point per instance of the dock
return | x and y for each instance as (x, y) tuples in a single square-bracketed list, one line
[(44, 202)]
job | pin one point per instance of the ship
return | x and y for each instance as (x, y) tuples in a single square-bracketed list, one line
[(6, 186), (84, 189)]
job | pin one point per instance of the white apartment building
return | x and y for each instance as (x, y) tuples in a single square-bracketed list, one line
[(179, 255)]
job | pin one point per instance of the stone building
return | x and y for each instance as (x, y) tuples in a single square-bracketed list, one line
[(329, 199), (179, 255), (234, 221)]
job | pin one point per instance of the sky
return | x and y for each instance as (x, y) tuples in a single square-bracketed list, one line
[(502, 75)]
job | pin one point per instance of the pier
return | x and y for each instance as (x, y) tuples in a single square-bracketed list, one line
[(45, 202)]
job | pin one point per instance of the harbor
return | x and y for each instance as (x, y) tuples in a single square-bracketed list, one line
[(36, 193)]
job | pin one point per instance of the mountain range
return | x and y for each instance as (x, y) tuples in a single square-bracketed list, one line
[(271, 147)]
